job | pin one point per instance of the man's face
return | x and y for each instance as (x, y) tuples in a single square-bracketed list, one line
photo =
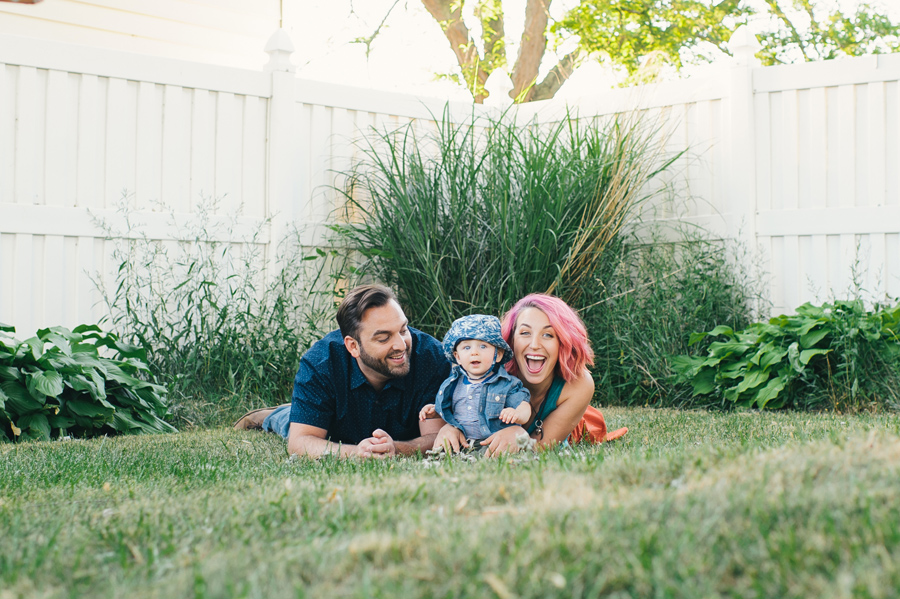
[(384, 344)]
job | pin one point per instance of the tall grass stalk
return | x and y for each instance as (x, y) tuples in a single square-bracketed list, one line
[(474, 215)]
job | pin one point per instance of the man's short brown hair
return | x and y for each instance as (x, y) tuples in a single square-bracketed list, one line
[(357, 301)]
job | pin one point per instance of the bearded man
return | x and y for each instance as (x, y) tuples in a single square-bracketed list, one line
[(359, 390)]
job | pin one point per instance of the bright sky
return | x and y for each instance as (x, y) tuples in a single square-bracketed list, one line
[(411, 48)]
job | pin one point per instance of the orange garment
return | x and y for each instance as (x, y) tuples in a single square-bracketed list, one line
[(592, 428)]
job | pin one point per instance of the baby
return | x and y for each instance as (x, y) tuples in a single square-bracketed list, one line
[(479, 397)]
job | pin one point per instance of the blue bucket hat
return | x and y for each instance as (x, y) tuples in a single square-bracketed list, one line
[(476, 326)]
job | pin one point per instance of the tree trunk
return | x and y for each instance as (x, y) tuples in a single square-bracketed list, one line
[(531, 48)]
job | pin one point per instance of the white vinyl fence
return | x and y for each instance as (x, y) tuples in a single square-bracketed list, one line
[(800, 162)]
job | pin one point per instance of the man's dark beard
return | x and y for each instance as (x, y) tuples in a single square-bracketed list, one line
[(382, 367)]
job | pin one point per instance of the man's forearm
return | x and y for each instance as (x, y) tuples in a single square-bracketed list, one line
[(417, 445), (315, 447)]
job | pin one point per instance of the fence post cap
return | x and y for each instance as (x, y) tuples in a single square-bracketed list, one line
[(279, 48), (744, 46)]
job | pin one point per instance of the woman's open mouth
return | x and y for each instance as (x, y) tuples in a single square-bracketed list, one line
[(534, 363)]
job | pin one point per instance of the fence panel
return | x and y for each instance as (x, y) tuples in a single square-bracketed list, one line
[(800, 162), (78, 146)]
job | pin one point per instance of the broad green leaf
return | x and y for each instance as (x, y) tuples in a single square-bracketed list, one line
[(752, 379), (722, 330), (56, 421), (808, 354), (10, 373), (37, 423), (49, 383), (7, 328), (813, 337), (773, 356), (704, 382), (728, 348), (769, 392), (36, 346), (84, 408), (18, 400), (59, 341)]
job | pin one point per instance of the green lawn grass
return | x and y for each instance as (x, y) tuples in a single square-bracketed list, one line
[(689, 504)]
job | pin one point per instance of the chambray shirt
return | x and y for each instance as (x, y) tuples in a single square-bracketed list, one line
[(331, 392), (502, 390)]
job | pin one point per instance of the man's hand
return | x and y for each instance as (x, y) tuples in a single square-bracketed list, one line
[(503, 441), (452, 437), (380, 445)]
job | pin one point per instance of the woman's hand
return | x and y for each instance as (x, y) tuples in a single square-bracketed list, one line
[(503, 441), (451, 435)]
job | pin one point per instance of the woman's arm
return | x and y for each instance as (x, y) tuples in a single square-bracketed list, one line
[(573, 401)]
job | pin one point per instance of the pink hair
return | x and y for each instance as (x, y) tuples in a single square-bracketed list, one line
[(575, 353)]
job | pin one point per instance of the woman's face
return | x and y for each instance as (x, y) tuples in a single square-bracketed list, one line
[(535, 346)]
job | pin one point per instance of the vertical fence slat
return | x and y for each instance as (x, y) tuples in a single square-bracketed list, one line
[(7, 272), (121, 132), (892, 144), (818, 272), (817, 151), (846, 165), (877, 149), (203, 146), (61, 144), (176, 139), (876, 265), (148, 158), (7, 132), (89, 175), (228, 152), (253, 158), (763, 151), (83, 297), (23, 284), (52, 279), (29, 104), (892, 264)]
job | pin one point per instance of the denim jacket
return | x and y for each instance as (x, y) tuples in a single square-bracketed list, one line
[(502, 391)]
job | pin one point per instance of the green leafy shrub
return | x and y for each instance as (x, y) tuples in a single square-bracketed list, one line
[(57, 383), (642, 311), (837, 355), (476, 215), (223, 331)]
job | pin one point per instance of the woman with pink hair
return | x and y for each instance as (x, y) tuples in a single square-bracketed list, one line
[(551, 353)]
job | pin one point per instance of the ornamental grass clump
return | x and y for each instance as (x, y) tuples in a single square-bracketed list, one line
[(58, 383), (835, 356), (475, 215)]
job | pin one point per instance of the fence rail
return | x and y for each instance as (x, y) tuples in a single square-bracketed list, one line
[(801, 162)]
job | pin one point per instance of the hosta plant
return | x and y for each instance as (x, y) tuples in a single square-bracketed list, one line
[(838, 355), (58, 383)]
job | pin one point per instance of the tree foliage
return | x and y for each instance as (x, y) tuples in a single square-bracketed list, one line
[(629, 35), (817, 33)]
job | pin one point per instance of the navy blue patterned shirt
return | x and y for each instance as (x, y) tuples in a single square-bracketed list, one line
[(331, 392)]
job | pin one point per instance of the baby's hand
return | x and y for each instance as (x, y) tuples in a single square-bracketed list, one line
[(508, 415), (518, 415), (428, 412)]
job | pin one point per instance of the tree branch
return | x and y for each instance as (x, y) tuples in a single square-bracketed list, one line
[(558, 75), (531, 48), (448, 14)]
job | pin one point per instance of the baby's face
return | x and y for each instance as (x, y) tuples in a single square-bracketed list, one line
[(476, 357)]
